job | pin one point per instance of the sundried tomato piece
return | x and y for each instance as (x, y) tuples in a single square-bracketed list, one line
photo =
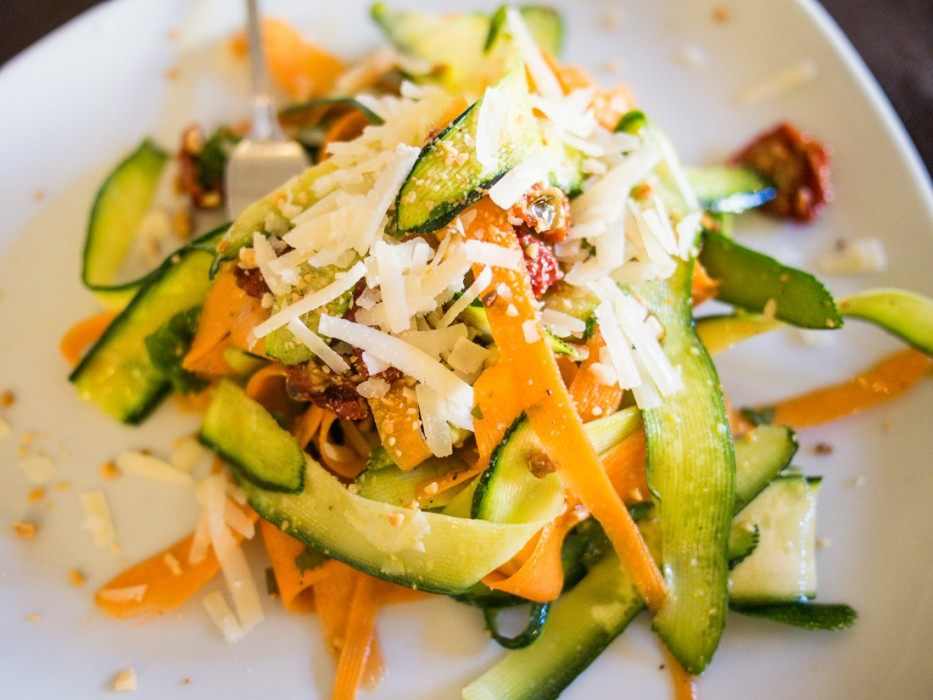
[(797, 164), (540, 262)]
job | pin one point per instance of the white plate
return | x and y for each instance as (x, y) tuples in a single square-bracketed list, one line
[(87, 93)]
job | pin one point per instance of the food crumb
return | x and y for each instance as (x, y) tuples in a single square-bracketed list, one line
[(395, 518), (36, 495), (823, 543), (76, 578), (172, 73), (859, 481), (110, 471), (7, 398), (62, 486), (25, 530), (770, 309), (171, 561), (721, 14), (38, 195), (173, 34), (33, 617), (823, 448), (125, 681), (186, 680)]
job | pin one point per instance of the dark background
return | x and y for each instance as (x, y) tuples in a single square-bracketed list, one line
[(895, 37)]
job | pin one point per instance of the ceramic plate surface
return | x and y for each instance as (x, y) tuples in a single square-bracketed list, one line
[(86, 94)]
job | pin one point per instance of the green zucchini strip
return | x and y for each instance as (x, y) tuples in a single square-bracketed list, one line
[(415, 548), (298, 108), (722, 332), (116, 216), (537, 616), (759, 283), (117, 373), (581, 625), (233, 421), (730, 189), (810, 616), (906, 315), (782, 568), (436, 191), (584, 620), (691, 468)]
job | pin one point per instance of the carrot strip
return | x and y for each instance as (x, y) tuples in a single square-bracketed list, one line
[(625, 466), (592, 397), (340, 459), (227, 317), (497, 405), (447, 481), (540, 577), (684, 685), (886, 380), (291, 581), (267, 386), (702, 286), (83, 334), (396, 416), (298, 67), (345, 128), (165, 589), (361, 627), (550, 408)]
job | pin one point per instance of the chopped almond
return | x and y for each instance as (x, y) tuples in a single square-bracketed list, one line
[(33, 617), (125, 681), (7, 398), (721, 14), (110, 471), (25, 530), (36, 495), (62, 486), (395, 519), (76, 578)]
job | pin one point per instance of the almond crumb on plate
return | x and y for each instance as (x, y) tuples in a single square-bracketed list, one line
[(7, 398), (36, 495), (33, 617), (721, 14), (25, 530), (125, 681), (76, 578), (109, 471)]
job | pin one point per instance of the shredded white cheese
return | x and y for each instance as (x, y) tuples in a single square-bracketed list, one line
[(855, 257), (38, 469), (513, 186), (407, 358), (188, 454), (545, 80), (97, 520), (237, 574), (149, 467), (472, 292), (317, 346), (467, 357), (437, 432), (374, 388), (311, 301), (392, 285), (200, 542), (222, 616), (562, 325), (530, 331), (437, 341), (484, 253), (781, 82)]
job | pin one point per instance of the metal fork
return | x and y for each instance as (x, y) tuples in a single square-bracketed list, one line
[(265, 158)]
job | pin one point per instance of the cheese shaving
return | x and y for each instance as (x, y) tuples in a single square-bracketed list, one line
[(313, 300), (38, 469), (407, 358), (392, 284), (233, 564), (437, 433), (97, 520), (222, 616), (515, 183), (467, 357), (545, 80), (472, 293), (562, 325), (438, 341), (125, 681), (188, 454), (781, 82), (149, 467), (317, 346), (484, 253)]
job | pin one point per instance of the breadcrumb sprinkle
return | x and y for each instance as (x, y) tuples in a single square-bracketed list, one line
[(25, 530)]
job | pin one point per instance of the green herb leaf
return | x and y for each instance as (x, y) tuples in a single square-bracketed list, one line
[(168, 346)]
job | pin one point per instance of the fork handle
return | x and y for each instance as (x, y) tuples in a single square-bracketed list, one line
[(265, 123)]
